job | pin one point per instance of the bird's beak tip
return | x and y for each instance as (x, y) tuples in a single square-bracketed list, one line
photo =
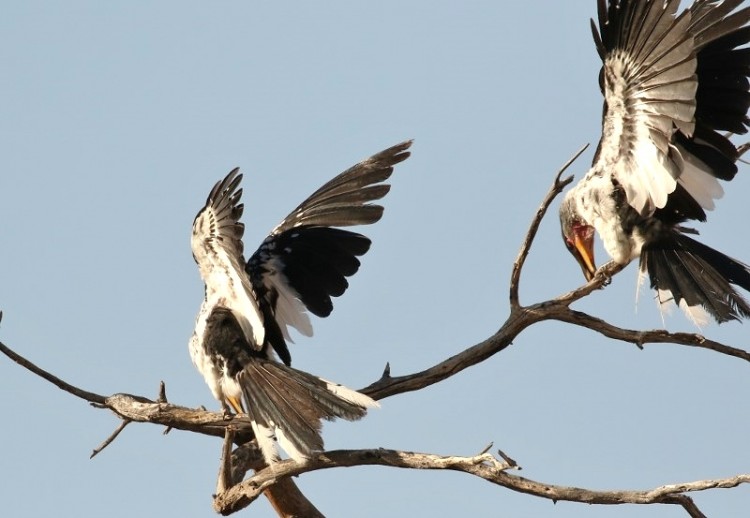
[(583, 249)]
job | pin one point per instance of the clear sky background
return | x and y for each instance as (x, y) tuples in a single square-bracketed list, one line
[(117, 118)]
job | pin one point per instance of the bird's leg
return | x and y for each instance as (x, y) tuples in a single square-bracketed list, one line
[(228, 415), (236, 405)]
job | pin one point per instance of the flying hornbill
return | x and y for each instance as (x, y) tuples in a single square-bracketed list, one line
[(249, 306), (674, 86)]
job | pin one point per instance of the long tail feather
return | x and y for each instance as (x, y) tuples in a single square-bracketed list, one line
[(697, 276), (288, 405)]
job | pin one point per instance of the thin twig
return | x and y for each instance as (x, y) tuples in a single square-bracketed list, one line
[(162, 396), (654, 336), (557, 187), (67, 387), (112, 437), (687, 503)]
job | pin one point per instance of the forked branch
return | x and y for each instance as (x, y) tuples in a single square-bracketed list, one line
[(557, 187)]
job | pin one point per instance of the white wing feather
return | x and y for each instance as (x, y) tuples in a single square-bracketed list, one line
[(649, 90)]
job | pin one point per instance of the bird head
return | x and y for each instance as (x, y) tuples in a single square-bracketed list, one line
[(578, 236)]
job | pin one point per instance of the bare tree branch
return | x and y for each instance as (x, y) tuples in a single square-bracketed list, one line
[(484, 466), (285, 497), (225, 480), (654, 336), (245, 493), (557, 187), (112, 437), (67, 387), (524, 317), (601, 279)]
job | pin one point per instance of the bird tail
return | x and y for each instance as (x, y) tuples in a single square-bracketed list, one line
[(696, 276), (288, 405)]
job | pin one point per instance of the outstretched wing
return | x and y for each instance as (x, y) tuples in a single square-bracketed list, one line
[(217, 248), (664, 105), (305, 259)]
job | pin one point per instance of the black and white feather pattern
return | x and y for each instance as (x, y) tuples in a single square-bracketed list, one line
[(250, 305), (217, 249), (306, 259), (671, 88), (674, 85), (283, 404)]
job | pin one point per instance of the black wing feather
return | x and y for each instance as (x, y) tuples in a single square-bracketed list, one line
[(344, 193), (307, 257)]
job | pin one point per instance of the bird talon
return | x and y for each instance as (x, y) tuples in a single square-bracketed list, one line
[(226, 412), (604, 278)]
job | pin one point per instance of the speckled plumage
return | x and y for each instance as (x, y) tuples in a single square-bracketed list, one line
[(248, 305), (673, 85)]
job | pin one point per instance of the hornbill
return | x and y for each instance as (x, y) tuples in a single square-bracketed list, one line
[(249, 306), (674, 86)]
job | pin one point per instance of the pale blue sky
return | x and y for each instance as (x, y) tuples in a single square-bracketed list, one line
[(117, 118)]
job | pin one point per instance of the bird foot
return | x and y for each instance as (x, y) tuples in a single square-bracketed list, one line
[(602, 277), (226, 412)]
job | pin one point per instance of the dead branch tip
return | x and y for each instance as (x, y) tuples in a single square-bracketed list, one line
[(111, 438)]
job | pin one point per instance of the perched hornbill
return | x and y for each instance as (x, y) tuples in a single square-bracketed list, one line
[(249, 306), (673, 86)]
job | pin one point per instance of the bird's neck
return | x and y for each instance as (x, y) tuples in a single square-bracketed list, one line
[(597, 203)]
